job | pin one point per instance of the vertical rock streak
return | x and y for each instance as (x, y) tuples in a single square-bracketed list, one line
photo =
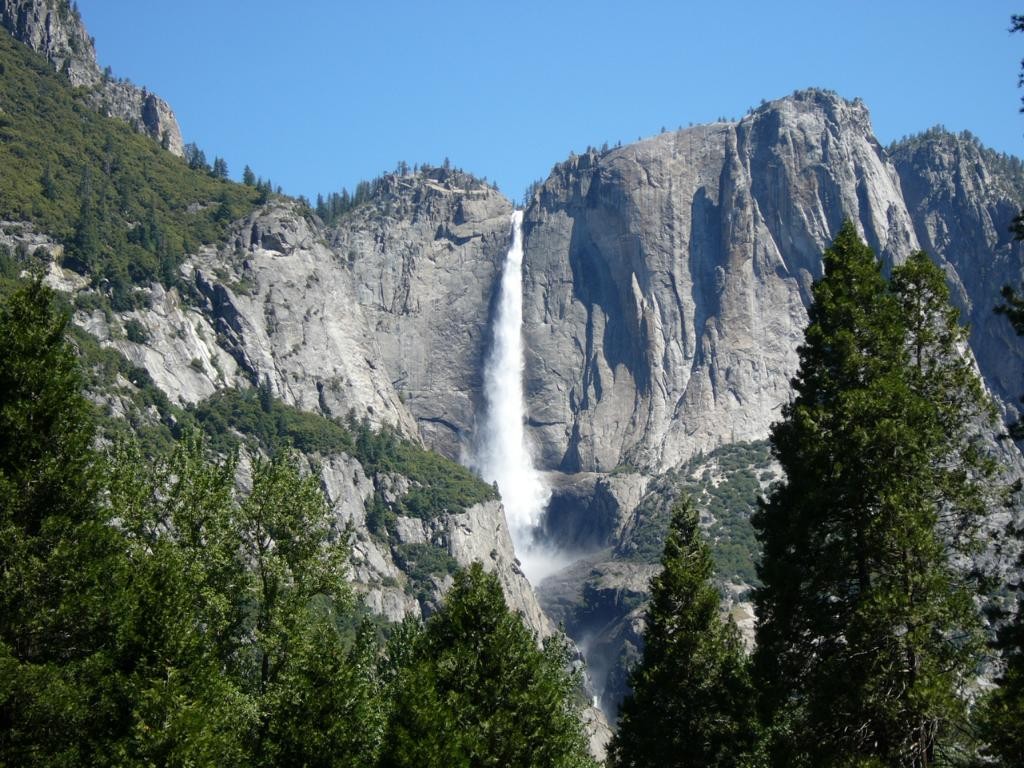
[(502, 454)]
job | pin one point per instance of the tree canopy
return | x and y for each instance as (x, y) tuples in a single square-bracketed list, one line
[(693, 703), (867, 633), (474, 689)]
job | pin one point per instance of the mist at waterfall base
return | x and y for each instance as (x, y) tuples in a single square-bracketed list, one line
[(502, 454)]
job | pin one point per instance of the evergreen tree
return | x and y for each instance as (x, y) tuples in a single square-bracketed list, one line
[(231, 632), (475, 690), (195, 157), (220, 168), (692, 702), (59, 695), (264, 191), (867, 634), (182, 619), (86, 245), (47, 182)]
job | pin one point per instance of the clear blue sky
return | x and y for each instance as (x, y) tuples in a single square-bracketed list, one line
[(318, 94)]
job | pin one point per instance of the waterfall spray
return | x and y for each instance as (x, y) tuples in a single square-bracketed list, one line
[(502, 454)]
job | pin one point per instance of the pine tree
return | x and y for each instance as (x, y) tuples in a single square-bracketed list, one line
[(220, 168), (692, 702), (230, 632), (86, 244), (867, 634), (58, 557), (182, 621), (475, 690)]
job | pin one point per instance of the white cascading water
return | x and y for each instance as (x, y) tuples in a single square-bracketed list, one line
[(502, 453)]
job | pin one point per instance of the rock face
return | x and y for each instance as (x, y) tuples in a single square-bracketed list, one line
[(55, 29), (281, 303), (146, 112), (478, 534), (962, 199), (666, 281), (424, 258), (278, 306)]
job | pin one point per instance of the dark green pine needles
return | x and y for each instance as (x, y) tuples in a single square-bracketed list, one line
[(868, 635), (692, 702)]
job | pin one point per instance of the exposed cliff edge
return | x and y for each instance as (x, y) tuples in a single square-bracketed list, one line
[(55, 29), (424, 256), (668, 280)]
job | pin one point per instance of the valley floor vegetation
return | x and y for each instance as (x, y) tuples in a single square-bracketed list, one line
[(151, 614)]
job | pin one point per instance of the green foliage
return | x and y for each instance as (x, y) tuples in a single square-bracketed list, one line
[(200, 629), (867, 634), (45, 424), (58, 558), (135, 331), (422, 562), (230, 415), (474, 689), (693, 701), (127, 209), (232, 625), (725, 484), (437, 484)]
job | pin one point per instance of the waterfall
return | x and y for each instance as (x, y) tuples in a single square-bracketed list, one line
[(502, 452)]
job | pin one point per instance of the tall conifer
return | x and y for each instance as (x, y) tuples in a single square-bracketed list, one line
[(692, 702), (867, 633)]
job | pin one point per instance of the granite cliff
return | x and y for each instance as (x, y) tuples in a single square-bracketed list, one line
[(424, 258), (667, 281)]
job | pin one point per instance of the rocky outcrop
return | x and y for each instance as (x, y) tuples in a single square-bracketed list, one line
[(424, 257), (479, 534), (54, 29), (590, 510), (281, 302), (962, 199), (666, 281), (145, 112)]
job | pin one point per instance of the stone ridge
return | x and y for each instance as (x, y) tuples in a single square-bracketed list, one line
[(424, 256), (666, 282), (55, 29)]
